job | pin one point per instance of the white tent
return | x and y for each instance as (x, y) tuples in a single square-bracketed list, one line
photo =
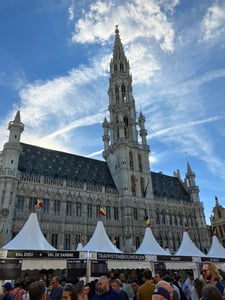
[(216, 249), (188, 248), (30, 237), (100, 241), (149, 245)]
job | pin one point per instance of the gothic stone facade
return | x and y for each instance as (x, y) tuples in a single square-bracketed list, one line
[(73, 188)]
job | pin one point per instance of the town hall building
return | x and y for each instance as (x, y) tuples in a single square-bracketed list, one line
[(73, 188)]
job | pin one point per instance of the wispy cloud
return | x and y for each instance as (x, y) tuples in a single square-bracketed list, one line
[(213, 24)]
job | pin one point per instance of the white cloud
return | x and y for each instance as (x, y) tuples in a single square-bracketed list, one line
[(140, 19), (213, 24)]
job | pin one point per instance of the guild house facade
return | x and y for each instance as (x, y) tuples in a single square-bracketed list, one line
[(73, 188)]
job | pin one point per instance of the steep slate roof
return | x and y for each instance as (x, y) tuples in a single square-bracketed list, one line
[(57, 164), (168, 186)]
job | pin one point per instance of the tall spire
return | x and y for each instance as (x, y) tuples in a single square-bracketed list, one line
[(118, 52)]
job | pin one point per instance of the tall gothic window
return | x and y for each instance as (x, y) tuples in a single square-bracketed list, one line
[(46, 205), (117, 94), (131, 160), (69, 208), (56, 207), (89, 210), (126, 128), (116, 213), (32, 203), (137, 241), (123, 90), (20, 203), (67, 242), (77, 239), (139, 162), (133, 185), (142, 186), (78, 209), (121, 66), (135, 213), (108, 212), (54, 240), (97, 211)]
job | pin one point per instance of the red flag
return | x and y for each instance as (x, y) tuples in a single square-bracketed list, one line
[(102, 212)]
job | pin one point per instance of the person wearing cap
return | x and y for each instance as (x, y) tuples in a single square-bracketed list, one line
[(160, 294), (7, 287)]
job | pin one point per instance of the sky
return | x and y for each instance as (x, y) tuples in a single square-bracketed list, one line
[(54, 67)]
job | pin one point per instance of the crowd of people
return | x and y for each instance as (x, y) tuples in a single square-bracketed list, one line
[(209, 286)]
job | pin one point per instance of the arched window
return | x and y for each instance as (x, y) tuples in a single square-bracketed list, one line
[(121, 66), (115, 67)]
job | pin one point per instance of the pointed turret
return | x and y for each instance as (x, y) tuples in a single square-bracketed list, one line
[(191, 185), (9, 176)]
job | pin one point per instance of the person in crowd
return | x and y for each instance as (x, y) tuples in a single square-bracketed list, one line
[(178, 283), (196, 290), (210, 292), (25, 282), (7, 287), (37, 291), (104, 291), (18, 292), (212, 275), (135, 286), (160, 294), (141, 278), (187, 285), (116, 286), (166, 285), (158, 276), (145, 290), (75, 292), (55, 290), (176, 292), (125, 286)]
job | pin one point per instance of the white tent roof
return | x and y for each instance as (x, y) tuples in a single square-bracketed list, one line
[(100, 241), (149, 245), (188, 248), (30, 237), (216, 249)]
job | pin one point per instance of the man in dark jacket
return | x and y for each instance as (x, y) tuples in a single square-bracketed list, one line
[(104, 291)]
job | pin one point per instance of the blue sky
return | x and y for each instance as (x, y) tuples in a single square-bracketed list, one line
[(54, 66)]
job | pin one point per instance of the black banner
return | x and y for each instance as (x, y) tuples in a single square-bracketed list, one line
[(119, 256), (42, 254)]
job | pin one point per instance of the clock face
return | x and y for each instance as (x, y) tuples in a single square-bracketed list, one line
[(4, 212)]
